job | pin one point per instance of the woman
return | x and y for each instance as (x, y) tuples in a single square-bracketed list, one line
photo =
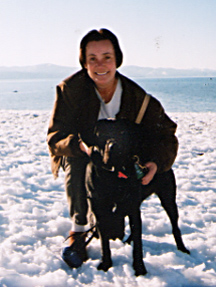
[(95, 92)]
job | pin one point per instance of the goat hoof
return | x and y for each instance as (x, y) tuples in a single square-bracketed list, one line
[(104, 266), (140, 269)]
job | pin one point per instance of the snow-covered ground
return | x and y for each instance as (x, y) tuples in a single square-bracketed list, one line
[(34, 216)]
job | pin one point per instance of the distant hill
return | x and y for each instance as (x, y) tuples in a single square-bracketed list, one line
[(44, 71), (145, 72), (36, 72)]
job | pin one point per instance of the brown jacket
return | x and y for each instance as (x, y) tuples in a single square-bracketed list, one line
[(76, 111)]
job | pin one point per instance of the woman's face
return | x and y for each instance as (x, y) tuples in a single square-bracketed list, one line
[(101, 62)]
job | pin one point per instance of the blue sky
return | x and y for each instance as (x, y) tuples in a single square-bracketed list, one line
[(152, 33)]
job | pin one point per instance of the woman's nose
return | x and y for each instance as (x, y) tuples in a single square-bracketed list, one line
[(100, 62)]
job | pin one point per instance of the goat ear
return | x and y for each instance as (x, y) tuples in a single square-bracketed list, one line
[(106, 153)]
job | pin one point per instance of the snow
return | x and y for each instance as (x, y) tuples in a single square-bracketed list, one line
[(35, 221)]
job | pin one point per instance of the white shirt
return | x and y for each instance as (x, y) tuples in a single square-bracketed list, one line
[(110, 109)]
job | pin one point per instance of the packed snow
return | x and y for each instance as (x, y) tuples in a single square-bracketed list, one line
[(35, 221)]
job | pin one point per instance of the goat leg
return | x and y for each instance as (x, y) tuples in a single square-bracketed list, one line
[(106, 261), (136, 232)]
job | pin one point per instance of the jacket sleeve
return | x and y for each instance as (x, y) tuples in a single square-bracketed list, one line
[(62, 135), (163, 143)]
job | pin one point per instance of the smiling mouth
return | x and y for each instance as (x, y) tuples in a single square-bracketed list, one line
[(101, 74)]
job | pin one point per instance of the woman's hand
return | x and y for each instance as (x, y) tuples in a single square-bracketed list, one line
[(150, 175), (85, 148)]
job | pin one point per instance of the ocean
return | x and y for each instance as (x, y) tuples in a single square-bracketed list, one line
[(175, 94)]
